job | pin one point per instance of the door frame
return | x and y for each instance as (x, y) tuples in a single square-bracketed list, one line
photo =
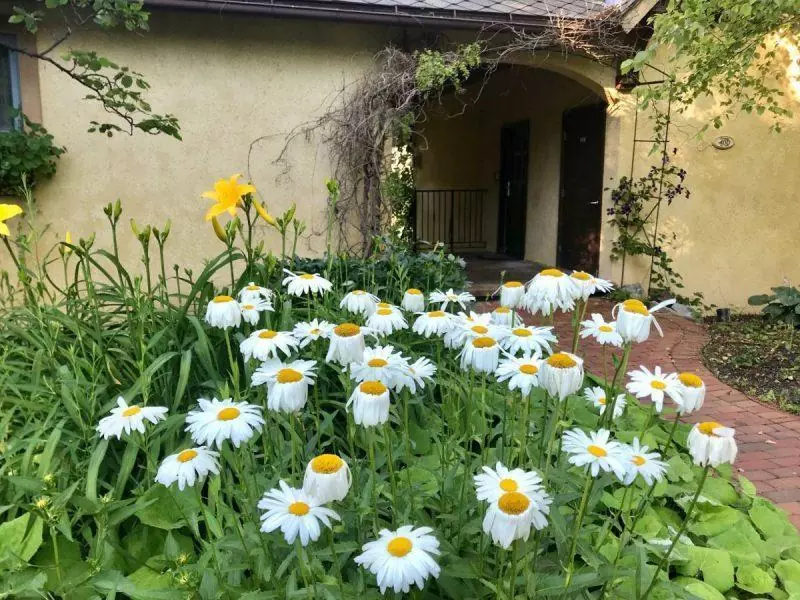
[(501, 203), (602, 108)]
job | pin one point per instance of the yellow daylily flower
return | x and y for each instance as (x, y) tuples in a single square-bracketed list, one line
[(262, 212), (227, 194), (8, 211)]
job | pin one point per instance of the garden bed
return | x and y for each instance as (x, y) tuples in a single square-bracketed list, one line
[(757, 357)]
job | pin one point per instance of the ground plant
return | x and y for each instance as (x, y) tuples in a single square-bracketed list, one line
[(267, 427)]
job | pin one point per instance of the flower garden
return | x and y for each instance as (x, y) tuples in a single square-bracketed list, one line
[(274, 427)]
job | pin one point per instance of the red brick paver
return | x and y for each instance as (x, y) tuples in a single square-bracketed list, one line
[(768, 439)]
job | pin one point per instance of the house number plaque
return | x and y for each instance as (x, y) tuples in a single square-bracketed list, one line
[(723, 142)]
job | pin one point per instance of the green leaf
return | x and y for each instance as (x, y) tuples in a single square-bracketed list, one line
[(165, 508), (754, 580), (788, 572), (771, 521), (21, 537), (699, 589), (715, 566)]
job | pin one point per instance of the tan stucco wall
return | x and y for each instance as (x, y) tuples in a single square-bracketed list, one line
[(230, 80)]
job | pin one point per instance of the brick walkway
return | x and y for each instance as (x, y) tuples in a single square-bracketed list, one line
[(768, 439)]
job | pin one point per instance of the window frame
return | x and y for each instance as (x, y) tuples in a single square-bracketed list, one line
[(13, 74)]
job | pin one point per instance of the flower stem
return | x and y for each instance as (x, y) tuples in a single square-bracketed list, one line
[(611, 392), (390, 461), (371, 443), (587, 490)]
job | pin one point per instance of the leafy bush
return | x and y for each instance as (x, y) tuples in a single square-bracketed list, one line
[(30, 153), (83, 518), (783, 305)]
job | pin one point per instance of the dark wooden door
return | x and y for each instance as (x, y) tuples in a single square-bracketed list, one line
[(580, 205), (514, 139)]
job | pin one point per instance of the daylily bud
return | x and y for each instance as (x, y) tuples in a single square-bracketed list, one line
[(134, 228), (220, 233), (63, 248), (117, 208), (262, 212)]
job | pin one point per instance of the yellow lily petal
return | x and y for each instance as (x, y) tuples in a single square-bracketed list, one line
[(211, 196), (4, 229), (68, 238), (246, 188), (215, 211), (9, 210)]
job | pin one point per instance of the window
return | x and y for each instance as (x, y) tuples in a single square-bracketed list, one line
[(9, 84)]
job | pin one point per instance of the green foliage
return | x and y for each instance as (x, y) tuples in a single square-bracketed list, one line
[(437, 70), (81, 517), (782, 305), (29, 154), (724, 49)]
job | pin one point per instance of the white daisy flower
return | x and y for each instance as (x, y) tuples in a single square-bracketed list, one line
[(420, 371), (640, 461), (402, 558), (346, 345), (693, 393), (512, 294), (561, 374), (481, 354), (597, 396), (502, 316), (469, 325), (327, 478), (305, 283), (634, 319), (223, 312), (359, 302), (295, 513), (549, 290), (219, 420), (529, 340), (435, 322), (602, 332), (511, 517), (444, 299), (413, 300), (493, 483), (255, 293), (251, 311), (595, 452), (589, 284), (311, 331), (264, 344), (521, 373), (126, 418), (711, 443), (188, 466), (655, 385), (387, 320), (383, 364), (287, 384), (370, 401)]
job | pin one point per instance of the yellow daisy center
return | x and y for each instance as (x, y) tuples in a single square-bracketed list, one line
[(299, 509), (358, 292), (551, 273), (528, 369), (288, 376), (187, 455), (315, 331), (601, 400), (581, 275), (513, 503), (635, 306), (658, 385), (561, 360), (307, 276), (383, 305), (414, 292), (708, 427), (690, 380), (606, 328), (513, 284), (399, 546), (384, 311), (638, 460), (377, 362), (253, 288), (347, 330), (228, 414), (326, 464), (267, 334), (373, 388), (522, 332), (436, 314), (503, 310), (480, 329), (248, 306), (597, 451), (508, 485), (131, 410), (483, 342), (223, 299)]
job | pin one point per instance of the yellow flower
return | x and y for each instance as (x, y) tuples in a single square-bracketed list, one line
[(227, 194), (8, 211)]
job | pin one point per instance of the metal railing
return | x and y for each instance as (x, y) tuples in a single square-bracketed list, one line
[(453, 217)]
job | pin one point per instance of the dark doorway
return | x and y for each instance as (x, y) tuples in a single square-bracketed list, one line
[(580, 205), (514, 139)]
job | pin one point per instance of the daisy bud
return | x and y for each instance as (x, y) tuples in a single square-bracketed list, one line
[(561, 374), (327, 478), (711, 443), (413, 300)]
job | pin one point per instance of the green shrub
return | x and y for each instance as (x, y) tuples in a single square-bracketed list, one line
[(29, 154), (782, 305)]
